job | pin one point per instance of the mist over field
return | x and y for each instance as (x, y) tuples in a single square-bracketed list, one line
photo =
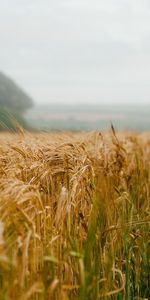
[(89, 117)]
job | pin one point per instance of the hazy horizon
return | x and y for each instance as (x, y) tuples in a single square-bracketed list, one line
[(99, 104), (82, 51), (89, 117)]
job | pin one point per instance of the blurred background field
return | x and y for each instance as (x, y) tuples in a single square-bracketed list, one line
[(89, 117), (17, 106)]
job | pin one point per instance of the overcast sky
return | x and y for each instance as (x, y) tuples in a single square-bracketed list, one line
[(72, 51)]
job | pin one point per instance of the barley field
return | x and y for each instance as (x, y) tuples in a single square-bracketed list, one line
[(74, 216)]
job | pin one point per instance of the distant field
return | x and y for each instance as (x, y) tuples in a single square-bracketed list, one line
[(75, 216), (90, 117)]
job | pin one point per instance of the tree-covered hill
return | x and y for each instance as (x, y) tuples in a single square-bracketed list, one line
[(13, 103)]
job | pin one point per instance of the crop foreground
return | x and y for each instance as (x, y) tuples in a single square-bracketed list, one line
[(74, 216)]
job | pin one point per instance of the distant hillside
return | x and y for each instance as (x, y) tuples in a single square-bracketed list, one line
[(14, 102), (12, 96)]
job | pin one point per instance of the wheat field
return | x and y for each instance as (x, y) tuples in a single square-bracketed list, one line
[(74, 216)]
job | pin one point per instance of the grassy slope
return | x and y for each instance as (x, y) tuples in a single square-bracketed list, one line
[(75, 216)]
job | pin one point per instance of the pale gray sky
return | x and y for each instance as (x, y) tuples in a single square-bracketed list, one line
[(72, 51)]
